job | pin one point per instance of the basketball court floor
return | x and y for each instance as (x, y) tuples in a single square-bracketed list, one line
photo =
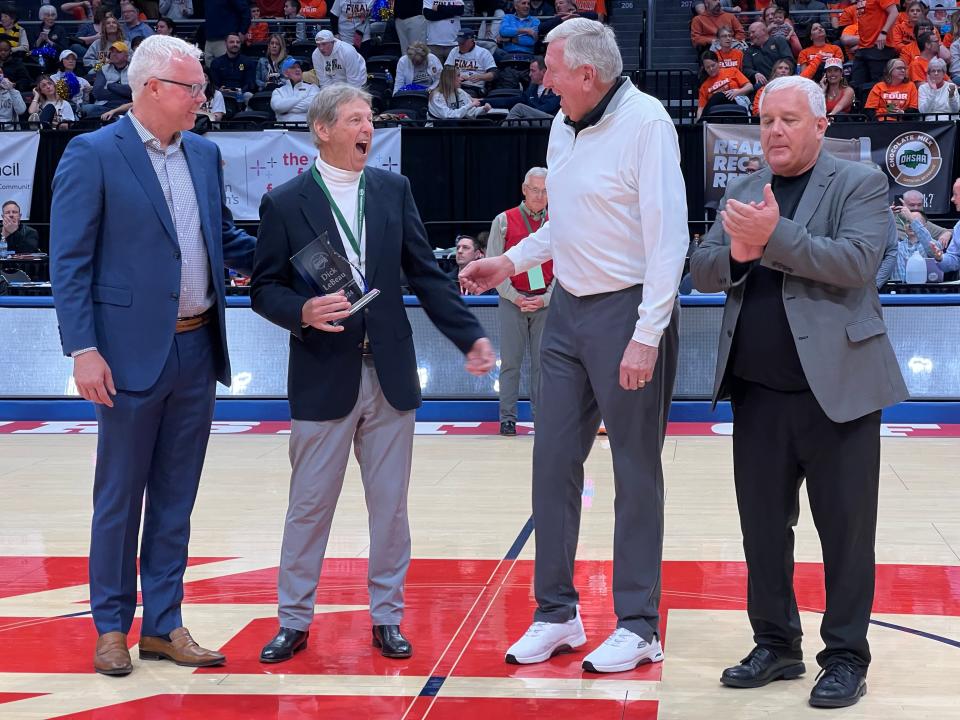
[(469, 590)]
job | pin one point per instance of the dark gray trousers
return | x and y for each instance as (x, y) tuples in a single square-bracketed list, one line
[(582, 347)]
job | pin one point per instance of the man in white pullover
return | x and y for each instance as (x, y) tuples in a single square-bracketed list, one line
[(291, 100), (617, 235), (337, 61)]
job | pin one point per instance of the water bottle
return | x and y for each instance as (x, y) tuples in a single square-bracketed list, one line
[(4, 248), (916, 273), (389, 80)]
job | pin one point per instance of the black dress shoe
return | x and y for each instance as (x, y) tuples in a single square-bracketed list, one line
[(391, 643), (284, 645), (508, 427), (760, 667), (839, 684)]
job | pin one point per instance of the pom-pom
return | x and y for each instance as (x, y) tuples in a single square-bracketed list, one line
[(381, 10), (68, 86)]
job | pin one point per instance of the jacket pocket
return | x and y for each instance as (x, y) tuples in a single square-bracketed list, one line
[(863, 329), (112, 295)]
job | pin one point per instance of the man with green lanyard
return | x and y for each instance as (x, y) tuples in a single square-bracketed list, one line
[(354, 383), (524, 298)]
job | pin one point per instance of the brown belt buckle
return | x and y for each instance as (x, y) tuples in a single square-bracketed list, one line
[(192, 323)]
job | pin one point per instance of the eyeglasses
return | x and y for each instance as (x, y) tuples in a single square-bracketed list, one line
[(196, 89), (534, 190)]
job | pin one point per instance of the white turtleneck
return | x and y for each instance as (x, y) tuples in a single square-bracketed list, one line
[(343, 186)]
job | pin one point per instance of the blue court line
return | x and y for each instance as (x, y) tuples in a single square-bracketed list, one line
[(919, 633), (432, 687)]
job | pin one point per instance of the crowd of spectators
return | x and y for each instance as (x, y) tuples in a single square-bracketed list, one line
[(879, 58), (267, 58)]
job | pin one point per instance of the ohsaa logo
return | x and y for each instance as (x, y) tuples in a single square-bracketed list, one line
[(913, 159)]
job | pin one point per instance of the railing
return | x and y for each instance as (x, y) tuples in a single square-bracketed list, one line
[(676, 88)]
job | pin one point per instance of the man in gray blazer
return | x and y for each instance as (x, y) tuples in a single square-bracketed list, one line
[(806, 362)]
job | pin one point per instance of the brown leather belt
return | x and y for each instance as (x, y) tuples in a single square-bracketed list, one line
[(192, 323)]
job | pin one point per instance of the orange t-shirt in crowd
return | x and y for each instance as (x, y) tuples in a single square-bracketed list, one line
[(731, 58), (872, 20), (258, 33), (756, 100), (825, 50), (313, 9), (851, 30), (917, 72), (848, 16), (595, 6), (947, 40), (908, 52), (726, 79), (901, 35), (903, 96), (761, 5)]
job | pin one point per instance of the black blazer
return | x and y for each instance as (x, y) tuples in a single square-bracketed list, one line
[(323, 378)]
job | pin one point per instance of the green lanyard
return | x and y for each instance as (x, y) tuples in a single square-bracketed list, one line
[(535, 274), (361, 195)]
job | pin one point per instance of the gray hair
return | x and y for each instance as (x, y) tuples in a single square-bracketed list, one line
[(534, 172), (589, 43), (326, 105), (46, 10), (153, 58), (913, 194), (936, 64), (814, 93)]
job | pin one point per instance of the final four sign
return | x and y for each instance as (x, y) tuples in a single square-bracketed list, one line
[(254, 163)]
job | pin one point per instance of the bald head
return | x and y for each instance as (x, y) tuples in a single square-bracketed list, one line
[(913, 200), (758, 33)]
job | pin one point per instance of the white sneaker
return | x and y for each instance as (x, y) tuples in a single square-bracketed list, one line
[(622, 651), (543, 640)]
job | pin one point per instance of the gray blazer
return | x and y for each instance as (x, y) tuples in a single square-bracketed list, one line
[(829, 254)]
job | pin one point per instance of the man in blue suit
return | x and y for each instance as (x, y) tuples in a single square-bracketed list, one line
[(139, 236)]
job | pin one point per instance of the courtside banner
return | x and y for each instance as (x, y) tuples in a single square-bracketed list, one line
[(914, 155), (727, 148), (18, 160), (256, 162)]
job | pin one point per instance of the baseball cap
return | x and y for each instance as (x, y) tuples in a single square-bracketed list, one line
[(288, 63), (833, 62), (466, 34), (325, 36), (120, 46), (67, 52)]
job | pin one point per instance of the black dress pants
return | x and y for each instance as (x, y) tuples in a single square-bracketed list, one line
[(780, 439)]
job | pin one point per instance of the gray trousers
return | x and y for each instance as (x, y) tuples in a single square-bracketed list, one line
[(382, 439), (409, 31), (525, 112), (580, 368), (518, 331)]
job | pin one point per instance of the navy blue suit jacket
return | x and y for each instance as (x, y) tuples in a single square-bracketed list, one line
[(323, 380), (114, 255)]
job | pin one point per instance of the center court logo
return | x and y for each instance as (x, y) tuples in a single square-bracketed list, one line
[(913, 159)]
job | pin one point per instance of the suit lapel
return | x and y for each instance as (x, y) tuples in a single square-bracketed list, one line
[(375, 219), (133, 151), (195, 163), (820, 178)]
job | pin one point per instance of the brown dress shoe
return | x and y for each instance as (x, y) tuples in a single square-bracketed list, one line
[(112, 656), (180, 649)]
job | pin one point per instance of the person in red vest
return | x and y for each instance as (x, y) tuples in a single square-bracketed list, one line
[(524, 298)]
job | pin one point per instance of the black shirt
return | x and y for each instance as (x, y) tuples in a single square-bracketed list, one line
[(24, 240), (593, 117), (761, 59), (764, 350)]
